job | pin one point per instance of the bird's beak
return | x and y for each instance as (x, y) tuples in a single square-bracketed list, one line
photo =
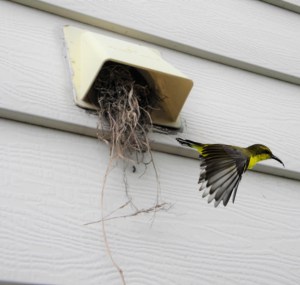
[(276, 158)]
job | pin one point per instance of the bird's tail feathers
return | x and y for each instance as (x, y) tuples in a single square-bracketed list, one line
[(188, 142)]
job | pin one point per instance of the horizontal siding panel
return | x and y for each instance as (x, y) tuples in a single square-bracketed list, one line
[(247, 34), (226, 105), (292, 5), (50, 186)]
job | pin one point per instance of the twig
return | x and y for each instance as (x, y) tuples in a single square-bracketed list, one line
[(112, 212), (158, 189), (108, 250), (155, 208), (127, 188)]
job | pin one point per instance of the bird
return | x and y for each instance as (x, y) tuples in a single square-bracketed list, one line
[(222, 167)]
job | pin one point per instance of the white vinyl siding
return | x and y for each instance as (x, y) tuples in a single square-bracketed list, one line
[(50, 187), (292, 5), (50, 178), (226, 105), (248, 34)]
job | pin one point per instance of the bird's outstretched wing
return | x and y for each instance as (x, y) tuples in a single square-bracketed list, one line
[(222, 168)]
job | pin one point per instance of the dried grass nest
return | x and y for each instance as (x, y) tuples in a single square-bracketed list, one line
[(125, 101)]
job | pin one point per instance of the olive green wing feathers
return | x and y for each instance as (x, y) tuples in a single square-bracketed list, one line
[(222, 168)]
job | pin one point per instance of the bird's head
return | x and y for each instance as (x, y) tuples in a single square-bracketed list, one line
[(263, 152)]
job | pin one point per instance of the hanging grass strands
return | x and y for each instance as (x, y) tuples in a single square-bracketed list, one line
[(125, 101)]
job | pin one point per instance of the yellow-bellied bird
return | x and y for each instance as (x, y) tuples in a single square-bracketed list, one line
[(222, 167)]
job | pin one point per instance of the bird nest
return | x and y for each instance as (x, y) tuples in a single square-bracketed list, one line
[(125, 101)]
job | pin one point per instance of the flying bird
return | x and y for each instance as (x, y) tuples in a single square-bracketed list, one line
[(222, 167)]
